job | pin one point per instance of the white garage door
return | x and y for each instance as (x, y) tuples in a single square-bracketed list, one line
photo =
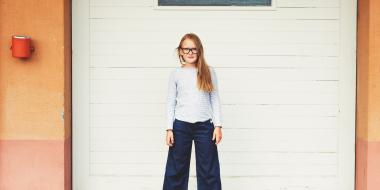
[(287, 86)]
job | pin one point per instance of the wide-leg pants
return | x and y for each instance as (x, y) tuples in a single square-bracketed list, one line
[(206, 155)]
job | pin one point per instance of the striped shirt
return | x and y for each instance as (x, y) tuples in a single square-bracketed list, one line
[(187, 103)]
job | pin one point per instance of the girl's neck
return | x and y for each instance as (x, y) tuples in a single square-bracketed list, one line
[(189, 65)]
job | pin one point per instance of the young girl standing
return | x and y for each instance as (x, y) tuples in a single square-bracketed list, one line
[(193, 113)]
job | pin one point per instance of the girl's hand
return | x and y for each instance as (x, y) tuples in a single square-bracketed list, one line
[(217, 134), (169, 138)]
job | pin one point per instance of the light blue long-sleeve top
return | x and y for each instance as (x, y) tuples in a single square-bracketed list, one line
[(187, 103)]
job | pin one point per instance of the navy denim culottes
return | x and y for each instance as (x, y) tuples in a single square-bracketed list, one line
[(206, 155)]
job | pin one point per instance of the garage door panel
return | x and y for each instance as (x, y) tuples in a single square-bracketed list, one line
[(228, 25), (294, 49), (280, 3), (226, 157), (232, 110), (267, 182), (307, 135), (244, 121), (227, 169), (228, 97), (146, 144), (149, 86), (245, 61), (242, 74), (142, 12), (217, 35)]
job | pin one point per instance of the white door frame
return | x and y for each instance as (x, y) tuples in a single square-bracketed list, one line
[(80, 94), (347, 95)]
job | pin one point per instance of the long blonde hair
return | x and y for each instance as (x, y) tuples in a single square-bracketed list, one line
[(204, 76)]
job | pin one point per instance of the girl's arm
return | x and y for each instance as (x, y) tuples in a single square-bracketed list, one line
[(215, 100), (171, 100)]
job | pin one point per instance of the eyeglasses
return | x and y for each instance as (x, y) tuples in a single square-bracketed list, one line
[(187, 50)]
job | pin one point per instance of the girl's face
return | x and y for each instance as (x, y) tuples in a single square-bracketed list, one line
[(189, 51)]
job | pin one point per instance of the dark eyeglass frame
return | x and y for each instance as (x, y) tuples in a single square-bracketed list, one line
[(187, 50)]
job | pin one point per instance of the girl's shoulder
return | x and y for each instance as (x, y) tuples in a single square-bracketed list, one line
[(212, 71), (173, 72)]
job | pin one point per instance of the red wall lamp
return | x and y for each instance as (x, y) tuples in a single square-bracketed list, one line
[(21, 46)]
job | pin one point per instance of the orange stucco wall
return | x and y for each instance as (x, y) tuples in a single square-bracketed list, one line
[(35, 96), (368, 96)]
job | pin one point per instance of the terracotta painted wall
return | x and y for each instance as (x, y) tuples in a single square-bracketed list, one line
[(35, 96), (368, 97)]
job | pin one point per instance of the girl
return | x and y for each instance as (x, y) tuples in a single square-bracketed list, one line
[(193, 113)]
